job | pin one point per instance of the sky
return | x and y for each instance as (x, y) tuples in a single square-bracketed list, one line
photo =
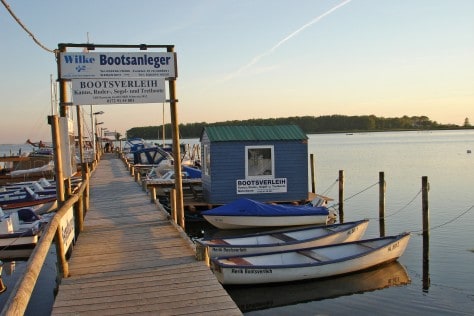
[(244, 59)]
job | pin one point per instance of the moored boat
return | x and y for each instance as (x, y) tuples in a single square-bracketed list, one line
[(28, 198), (281, 240), (309, 263), (246, 213), (20, 229)]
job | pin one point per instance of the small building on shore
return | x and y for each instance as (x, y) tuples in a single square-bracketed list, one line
[(263, 163)]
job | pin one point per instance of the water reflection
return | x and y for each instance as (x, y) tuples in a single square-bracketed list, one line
[(270, 296), (7, 268), (42, 298), (3, 287)]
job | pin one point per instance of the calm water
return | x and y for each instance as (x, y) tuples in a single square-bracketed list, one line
[(404, 157), (396, 289), (42, 299)]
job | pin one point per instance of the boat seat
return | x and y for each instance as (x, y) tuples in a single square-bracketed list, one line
[(239, 261), (366, 245), (218, 242), (283, 237), (314, 255)]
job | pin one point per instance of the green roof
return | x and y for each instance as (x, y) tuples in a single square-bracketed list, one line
[(254, 133)]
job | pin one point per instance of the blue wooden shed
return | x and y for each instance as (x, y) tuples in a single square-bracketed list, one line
[(263, 163)]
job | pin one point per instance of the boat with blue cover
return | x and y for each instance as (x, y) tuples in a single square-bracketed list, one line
[(247, 213)]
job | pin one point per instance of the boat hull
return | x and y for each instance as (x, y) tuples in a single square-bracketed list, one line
[(284, 239), (40, 206), (275, 295), (247, 213), (238, 222), (12, 242), (309, 263)]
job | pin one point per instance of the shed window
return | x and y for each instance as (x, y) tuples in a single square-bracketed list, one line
[(259, 161)]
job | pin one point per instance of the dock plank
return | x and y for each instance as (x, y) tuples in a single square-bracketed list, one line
[(130, 259)]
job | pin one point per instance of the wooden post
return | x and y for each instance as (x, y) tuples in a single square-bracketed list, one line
[(87, 190), (173, 205), (382, 190), (152, 194), (79, 216), (61, 253), (179, 207), (137, 176), (426, 232), (58, 163), (341, 196), (313, 180), (81, 143)]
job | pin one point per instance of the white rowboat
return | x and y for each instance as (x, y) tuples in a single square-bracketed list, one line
[(282, 239), (309, 263)]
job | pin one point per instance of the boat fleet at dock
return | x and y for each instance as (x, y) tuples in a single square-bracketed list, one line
[(25, 208), (288, 242), (295, 253), (291, 242)]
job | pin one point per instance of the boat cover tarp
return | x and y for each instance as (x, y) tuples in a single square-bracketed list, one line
[(193, 173), (248, 207), (150, 155)]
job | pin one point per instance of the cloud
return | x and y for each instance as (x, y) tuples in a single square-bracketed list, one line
[(257, 58)]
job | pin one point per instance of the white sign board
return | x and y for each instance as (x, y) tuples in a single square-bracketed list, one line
[(67, 228), (261, 185), (66, 129), (118, 91), (117, 65)]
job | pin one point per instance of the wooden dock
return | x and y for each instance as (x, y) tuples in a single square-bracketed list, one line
[(130, 259)]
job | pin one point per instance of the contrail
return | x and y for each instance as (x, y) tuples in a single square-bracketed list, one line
[(287, 38)]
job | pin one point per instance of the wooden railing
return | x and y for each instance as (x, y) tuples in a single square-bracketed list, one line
[(21, 293)]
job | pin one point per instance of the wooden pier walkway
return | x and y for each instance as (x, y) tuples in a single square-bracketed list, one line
[(130, 259)]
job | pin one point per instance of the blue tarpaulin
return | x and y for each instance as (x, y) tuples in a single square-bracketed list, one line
[(248, 207)]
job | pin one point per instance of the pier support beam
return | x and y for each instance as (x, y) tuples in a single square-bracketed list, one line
[(179, 206)]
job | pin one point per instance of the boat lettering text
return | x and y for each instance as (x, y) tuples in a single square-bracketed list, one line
[(394, 246), (226, 249), (351, 231), (257, 271)]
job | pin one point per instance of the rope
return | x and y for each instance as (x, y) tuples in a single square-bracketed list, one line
[(330, 187), (333, 206), (419, 232), (401, 209), (360, 192), (24, 27)]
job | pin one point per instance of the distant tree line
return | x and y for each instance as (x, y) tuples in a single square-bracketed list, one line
[(309, 124)]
